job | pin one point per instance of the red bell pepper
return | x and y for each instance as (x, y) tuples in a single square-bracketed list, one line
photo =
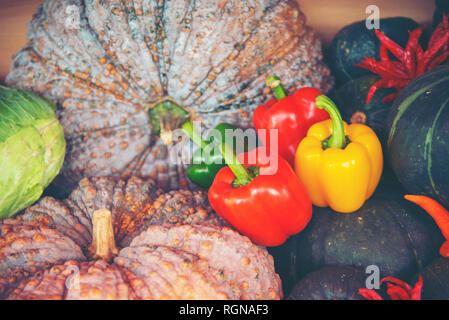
[(291, 115), (264, 201)]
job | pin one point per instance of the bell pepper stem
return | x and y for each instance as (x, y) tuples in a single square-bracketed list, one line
[(194, 135), (241, 173), (275, 84), (338, 137)]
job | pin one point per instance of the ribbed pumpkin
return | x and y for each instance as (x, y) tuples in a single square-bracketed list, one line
[(115, 239), (125, 72), (418, 141)]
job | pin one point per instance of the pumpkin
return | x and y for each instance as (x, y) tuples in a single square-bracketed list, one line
[(125, 74), (435, 280), (117, 239), (387, 232), (419, 133), (354, 42), (339, 282)]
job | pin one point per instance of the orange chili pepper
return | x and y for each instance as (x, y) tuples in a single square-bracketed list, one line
[(438, 213)]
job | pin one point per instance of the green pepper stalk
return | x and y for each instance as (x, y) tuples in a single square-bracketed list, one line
[(242, 175), (275, 84), (338, 137), (194, 135)]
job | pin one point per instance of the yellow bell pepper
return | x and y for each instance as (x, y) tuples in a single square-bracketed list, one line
[(339, 164)]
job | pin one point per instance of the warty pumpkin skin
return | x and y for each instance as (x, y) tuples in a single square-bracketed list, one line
[(167, 246), (107, 64)]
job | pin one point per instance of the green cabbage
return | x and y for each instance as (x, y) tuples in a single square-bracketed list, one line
[(32, 149)]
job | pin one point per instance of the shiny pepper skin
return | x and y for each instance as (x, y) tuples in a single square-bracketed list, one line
[(341, 178)]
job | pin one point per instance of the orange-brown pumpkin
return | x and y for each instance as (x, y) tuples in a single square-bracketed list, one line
[(115, 239), (121, 71)]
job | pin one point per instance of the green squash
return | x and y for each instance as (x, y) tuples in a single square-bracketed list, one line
[(339, 282), (418, 141), (352, 43)]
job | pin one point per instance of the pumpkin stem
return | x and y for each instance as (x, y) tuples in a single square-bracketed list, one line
[(103, 242), (165, 117), (275, 84)]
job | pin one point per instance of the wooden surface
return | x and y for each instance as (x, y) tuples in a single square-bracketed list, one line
[(326, 16)]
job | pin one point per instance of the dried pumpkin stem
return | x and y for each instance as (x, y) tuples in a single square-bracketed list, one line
[(274, 83), (103, 242)]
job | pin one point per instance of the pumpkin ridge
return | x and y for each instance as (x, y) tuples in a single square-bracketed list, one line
[(235, 54), (125, 72), (84, 220), (40, 257), (428, 147), (58, 222), (124, 274), (122, 73), (406, 103), (189, 10)]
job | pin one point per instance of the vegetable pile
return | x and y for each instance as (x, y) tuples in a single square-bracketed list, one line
[(287, 194)]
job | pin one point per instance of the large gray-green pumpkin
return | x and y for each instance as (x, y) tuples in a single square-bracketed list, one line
[(107, 64)]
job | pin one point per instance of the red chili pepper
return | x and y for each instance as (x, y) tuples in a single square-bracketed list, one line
[(411, 61), (264, 201), (396, 289), (291, 115)]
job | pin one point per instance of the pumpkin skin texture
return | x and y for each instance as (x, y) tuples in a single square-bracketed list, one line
[(337, 282), (171, 246), (384, 232), (106, 71), (419, 133), (435, 280)]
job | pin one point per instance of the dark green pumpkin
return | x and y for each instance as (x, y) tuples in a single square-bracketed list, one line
[(387, 231), (435, 280), (352, 43), (418, 141), (339, 282), (351, 101)]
